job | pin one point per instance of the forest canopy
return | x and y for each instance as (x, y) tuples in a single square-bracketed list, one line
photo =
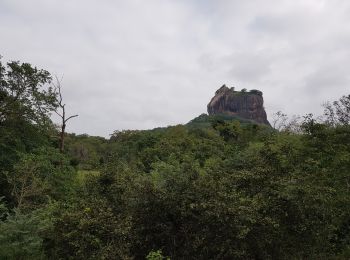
[(216, 188)]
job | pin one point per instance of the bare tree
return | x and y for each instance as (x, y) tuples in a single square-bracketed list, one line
[(329, 114), (61, 112), (337, 112), (283, 123), (279, 120), (293, 125)]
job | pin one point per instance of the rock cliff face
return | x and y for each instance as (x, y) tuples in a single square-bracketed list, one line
[(243, 104)]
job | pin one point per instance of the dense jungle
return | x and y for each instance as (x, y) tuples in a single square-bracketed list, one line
[(218, 187)]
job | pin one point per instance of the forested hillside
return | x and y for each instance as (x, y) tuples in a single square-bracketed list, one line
[(218, 187)]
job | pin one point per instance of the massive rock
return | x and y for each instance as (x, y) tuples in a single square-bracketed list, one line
[(242, 104)]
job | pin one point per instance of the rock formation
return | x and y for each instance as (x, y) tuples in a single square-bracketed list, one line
[(242, 104)]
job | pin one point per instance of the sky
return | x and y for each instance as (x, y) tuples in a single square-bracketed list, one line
[(138, 64)]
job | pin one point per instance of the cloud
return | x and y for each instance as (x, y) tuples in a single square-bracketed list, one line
[(142, 64)]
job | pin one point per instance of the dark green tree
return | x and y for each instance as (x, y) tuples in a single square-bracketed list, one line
[(26, 100)]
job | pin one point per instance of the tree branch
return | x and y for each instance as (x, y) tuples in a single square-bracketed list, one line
[(61, 116), (70, 118)]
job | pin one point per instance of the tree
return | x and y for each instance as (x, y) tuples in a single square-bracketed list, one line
[(61, 114), (26, 101), (23, 235), (39, 176), (338, 112), (26, 184), (24, 93)]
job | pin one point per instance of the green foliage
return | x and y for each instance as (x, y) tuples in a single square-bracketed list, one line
[(207, 121), (3, 209), (23, 93), (22, 235), (228, 191), (25, 104), (216, 188), (86, 152), (91, 230), (256, 92), (40, 175), (233, 190), (156, 255)]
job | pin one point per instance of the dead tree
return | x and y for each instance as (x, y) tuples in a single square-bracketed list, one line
[(279, 120), (61, 114)]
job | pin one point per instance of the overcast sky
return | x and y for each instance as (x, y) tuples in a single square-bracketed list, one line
[(140, 64)]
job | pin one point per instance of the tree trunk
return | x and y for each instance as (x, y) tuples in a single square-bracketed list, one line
[(63, 129)]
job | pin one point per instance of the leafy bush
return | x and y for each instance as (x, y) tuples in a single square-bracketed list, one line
[(22, 235)]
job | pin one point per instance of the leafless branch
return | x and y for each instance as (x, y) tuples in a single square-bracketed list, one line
[(62, 115), (70, 117)]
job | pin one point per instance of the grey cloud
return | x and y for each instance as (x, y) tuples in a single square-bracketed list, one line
[(249, 66), (327, 78), (143, 64)]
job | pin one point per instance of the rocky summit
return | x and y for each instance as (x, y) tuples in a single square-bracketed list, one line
[(242, 104)]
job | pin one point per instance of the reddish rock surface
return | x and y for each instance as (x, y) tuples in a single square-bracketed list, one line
[(243, 104)]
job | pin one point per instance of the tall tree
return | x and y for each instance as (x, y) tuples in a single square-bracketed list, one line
[(26, 101), (24, 93)]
